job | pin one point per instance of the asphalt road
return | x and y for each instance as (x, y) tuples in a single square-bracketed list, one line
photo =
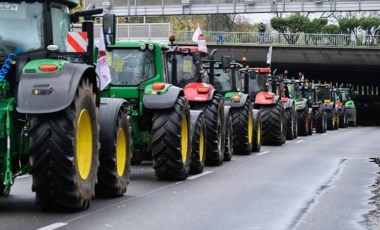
[(324, 181)]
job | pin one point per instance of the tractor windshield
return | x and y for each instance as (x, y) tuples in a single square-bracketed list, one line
[(324, 94), (186, 69), (130, 66), (223, 80), (21, 26)]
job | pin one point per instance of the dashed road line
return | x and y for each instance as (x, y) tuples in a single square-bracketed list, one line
[(299, 141), (53, 226), (265, 152), (199, 175)]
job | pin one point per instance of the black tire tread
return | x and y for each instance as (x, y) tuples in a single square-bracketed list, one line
[(214, 113), (241, 144), (272, 118), (109, 182), (166, 142), (56, 180)]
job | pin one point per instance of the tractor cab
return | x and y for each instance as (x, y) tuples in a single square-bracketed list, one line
[(258, 78), (134, 63), (227, 78), (188, 65)]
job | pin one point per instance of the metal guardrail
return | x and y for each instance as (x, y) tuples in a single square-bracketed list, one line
[(206, 7), (284, 39), (136, 31)]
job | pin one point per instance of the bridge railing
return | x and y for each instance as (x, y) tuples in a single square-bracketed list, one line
[(284, 39)]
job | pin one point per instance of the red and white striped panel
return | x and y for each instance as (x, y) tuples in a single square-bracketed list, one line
[(76, 42)]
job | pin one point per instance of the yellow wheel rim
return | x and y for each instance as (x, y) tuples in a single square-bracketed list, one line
[(258, 132), (201, 145), (121, 152), (184, 138), (250, 128), (84, 144)]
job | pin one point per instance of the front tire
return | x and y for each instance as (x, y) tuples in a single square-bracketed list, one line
[(115, 152), (199, 141), (256, 145), (64, 148)]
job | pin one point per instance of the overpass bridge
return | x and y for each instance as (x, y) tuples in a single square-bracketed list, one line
[(192, 7), (339, 58)]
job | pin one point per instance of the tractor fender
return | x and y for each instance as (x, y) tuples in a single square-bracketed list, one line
[(192, 94), (194, 115), (328, 106), (51, 92), (266, 98), (162, 101), (241, 103), (288, 104), (301, 103)]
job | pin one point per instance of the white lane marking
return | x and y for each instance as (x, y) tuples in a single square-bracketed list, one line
[(299, 141), (324, 134), (199, 175), (23, 176), (265, 152), (53, 226)]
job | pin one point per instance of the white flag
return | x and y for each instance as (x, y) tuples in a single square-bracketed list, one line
[(269, 56), (102, 69), (200, 38)]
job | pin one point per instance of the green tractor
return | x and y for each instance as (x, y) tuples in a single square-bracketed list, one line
[(347, 95), (340, 107), (326, 96), (231, 80), (165, 130), (53, 123), (296, 90), (277, 86), (318, 118)]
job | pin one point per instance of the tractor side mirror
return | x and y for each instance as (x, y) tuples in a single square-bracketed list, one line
[(226, 60), (109, 28)]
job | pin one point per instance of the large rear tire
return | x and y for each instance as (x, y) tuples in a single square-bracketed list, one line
[(64, 148), (115, 151), (199, 140), (320, 119), (242, 122), (303, 121), (343, 122), (330, 117), (214, 113), (171, 146), (273, 124)]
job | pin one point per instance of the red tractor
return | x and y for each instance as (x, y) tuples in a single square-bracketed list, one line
[(273, 118), (187, 73)]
